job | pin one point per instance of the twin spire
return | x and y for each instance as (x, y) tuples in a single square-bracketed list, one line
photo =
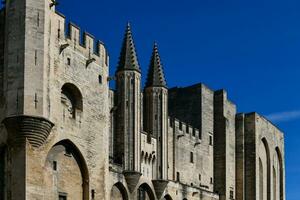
[(156, 75), (128, 58), (128, 61)]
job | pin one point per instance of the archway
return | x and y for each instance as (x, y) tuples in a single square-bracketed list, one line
[(66, 172), (118, 192), (145, 192), (274, 184), (268, 167), (261, 180), (279, 155), (71, 99), (167, 197)]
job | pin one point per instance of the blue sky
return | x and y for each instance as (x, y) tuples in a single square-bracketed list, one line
[(250, 48)]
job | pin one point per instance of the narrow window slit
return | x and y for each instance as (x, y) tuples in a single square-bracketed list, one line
[(35, 57), (38, 19)]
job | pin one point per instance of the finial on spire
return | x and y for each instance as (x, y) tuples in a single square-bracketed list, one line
[(156, 77), (128, 58)]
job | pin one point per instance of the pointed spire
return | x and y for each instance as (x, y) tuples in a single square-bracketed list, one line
[(128, 58), (156, 75)]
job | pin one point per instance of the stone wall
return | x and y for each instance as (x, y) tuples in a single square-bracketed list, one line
[(240, 156), (186, 100), (224, 146), (191, 156), (264, 159), (59, 59)]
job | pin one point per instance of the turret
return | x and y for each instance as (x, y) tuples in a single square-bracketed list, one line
[(25, 75), (128, 102), (156, 112)]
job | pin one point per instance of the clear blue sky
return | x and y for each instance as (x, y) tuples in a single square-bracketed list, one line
[(250, 48)]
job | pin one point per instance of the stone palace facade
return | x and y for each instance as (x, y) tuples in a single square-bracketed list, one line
[(66, 135)]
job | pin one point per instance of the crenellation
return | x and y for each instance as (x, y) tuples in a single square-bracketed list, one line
[(83, 42), (181, 128)]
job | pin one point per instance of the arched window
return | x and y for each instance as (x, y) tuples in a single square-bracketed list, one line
[(280, 174), (261, 180), (154, 167), (267, 169), (71, 100), (274, 184)]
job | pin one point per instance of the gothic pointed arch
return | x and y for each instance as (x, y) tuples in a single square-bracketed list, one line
[(66, 172), (274, 184), (119, 192), (268, 166), (261, 178), (145, 192), (279, 155)]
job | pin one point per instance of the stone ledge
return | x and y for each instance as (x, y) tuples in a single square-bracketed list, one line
[(160, 186), (132, 179), (32, 128)]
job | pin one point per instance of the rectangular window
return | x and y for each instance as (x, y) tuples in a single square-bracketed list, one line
[(54, 165), (93, 194), (68, 61), (68, 152), (58, 30), (199, 177), (38, 19), (191, 157), (178, 176), (35, 57), (211, 181), (210, 140), (100, 79), (62, 196), (180, 126), (231, 194)]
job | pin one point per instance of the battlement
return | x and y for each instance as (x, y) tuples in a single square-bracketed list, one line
[(183, 128), (70, 35)]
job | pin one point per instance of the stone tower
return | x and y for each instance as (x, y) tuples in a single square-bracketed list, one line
[(23, 89), (156, 110), (224, 146), (128, 114)]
